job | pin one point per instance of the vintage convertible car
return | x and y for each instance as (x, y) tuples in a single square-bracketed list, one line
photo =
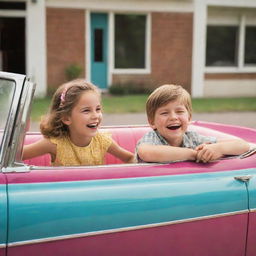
[(181, 208)]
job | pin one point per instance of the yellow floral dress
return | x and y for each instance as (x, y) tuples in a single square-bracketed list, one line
[(68, 154)]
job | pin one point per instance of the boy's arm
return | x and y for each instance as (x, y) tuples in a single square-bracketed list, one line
[(164, 153), (233, 147), (209, 152)]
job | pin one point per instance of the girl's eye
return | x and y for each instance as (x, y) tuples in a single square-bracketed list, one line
[(164, 113), (86, 110), (98, 109)]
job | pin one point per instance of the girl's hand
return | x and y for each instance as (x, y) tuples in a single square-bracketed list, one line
[(121, 153)]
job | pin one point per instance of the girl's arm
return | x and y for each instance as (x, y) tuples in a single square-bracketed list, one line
[(165, 153), (121, 153), (40, 147), (210, 152)]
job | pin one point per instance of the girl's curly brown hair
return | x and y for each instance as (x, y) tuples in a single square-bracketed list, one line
[(63, 101)]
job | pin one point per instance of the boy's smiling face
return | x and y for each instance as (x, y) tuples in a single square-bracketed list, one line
[(171, 121)]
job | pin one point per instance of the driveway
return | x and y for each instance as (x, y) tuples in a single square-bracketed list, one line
[(247, 119)]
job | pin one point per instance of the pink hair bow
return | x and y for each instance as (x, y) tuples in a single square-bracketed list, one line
[(62, 97)]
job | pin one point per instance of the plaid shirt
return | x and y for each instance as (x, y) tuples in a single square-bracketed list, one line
[(190, 140)]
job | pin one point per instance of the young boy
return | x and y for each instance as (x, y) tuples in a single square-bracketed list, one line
[(169, 112)]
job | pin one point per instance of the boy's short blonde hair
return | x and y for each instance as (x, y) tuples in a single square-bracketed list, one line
[(165, 94)]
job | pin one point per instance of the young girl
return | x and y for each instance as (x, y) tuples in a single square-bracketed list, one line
[(70, 129)]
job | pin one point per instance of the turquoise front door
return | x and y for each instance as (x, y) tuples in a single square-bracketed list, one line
[(99, 56)]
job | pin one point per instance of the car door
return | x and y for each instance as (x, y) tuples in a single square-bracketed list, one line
[(251, 248), (86, 211), (11, 87), (3, 214)]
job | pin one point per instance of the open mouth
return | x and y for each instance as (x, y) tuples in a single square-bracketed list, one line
[(173, 127), (92, 126)]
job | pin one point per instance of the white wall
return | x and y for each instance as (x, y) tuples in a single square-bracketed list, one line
[(36, 45), (230, 88), (199, 44), (120, 5), (220, 12)]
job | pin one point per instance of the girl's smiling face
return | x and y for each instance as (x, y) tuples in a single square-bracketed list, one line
[(85, 118), (171, 121)]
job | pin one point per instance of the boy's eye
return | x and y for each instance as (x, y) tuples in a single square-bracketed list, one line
[(164, 113), (98, 109), (86, 110)]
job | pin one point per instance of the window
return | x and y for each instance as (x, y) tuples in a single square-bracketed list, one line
[(12, 5), (98, 45), (221, 46), (7, 88), (250, 46), (130, 41), (231, 40)]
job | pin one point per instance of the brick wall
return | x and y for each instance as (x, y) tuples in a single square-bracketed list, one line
[(171, 52), (171, 48), (65, 42)]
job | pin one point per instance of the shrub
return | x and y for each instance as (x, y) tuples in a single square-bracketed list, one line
[(128, 88), (51, 90), (73, 71)]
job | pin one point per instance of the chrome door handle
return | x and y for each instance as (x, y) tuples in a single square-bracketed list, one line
[(244, 178)]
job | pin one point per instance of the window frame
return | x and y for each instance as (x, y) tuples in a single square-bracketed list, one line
[(147, 68), (240, 19)]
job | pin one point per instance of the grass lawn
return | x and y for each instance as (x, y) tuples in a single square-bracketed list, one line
[(224, 104), (136, 103)]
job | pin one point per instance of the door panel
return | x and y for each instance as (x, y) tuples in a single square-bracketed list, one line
[(186, 239), (99, 56), (251, 248), (13, 91), (3, 215), (199, 210)]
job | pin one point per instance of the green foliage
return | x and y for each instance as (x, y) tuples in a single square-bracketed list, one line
[(51, 90), (128, 88), (40, 107), (224, 104), (136, 103), (73, 71), (124, 104)]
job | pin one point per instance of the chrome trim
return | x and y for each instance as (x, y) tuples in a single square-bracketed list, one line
[(243, 178), (17, 169), (253, 210), (250, 152), (18, 81), (2, 246), (22, 122), (38, 167), (109, 231)]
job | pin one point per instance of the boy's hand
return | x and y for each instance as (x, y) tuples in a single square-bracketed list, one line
[(207, 153)]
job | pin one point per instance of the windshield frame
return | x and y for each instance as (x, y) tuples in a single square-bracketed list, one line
[(7, 141)]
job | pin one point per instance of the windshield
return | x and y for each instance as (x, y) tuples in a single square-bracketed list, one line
[(6, 95)]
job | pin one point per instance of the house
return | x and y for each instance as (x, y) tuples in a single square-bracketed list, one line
[(208, 46)]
